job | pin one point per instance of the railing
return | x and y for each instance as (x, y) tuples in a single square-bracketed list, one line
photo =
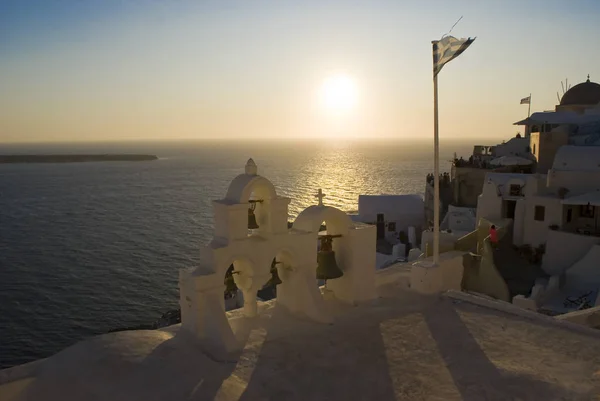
[(467, 243)]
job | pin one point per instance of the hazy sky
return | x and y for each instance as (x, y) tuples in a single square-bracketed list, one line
[(107, 69)]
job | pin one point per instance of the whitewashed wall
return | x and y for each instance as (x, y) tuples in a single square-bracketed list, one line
[(536, 232), (564, 249)]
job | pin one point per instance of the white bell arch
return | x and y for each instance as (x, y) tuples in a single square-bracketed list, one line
[(355, 250), (251, 252)]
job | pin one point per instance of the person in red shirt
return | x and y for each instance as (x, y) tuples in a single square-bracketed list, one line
[(494, 236)]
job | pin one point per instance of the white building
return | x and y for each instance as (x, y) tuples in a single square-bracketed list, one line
[(560, 209), (516, 146), (575, 121), (460, 220), (392, 213)]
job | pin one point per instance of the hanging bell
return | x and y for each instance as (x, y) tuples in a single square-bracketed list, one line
[(230, 286), (252, 225), (274, 280), (327, 267)]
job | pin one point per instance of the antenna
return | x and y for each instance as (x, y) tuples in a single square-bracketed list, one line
[(565, 87), (456, 23)]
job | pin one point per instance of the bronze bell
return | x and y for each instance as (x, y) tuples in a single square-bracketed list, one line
[(230, 286), (327, 267), (274, 280), (252, 225)]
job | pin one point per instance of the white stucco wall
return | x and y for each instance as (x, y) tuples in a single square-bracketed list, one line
[(577, 182), (515, 147), (358, 257), (403, 210), (585, 272), (577, 158), (564, 249), (489, 205), (460, 219), (576, 168), (519, 222), (447, 239), (536, 232)]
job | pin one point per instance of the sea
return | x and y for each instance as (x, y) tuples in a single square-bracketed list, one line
[(90, 247)]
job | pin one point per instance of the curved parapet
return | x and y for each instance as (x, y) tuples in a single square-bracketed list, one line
[(585, 271), (481, 273), (490, 280)]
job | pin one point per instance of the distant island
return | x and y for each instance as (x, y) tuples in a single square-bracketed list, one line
[(4, 159)]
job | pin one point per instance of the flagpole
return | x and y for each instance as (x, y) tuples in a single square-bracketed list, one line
[(529, 106), (436, 175), (444, 50)]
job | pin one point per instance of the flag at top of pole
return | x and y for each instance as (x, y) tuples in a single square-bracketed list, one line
[(526, 100), (447, 49), (444, 51)]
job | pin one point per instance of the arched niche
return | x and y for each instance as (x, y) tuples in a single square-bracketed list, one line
[(250, 271)]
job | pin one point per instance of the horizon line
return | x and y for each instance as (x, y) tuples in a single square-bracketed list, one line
[(243, 139)]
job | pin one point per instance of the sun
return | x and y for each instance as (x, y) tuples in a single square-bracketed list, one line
[(339, 94)]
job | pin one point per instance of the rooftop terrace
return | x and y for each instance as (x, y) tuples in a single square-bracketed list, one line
[(402, 346)]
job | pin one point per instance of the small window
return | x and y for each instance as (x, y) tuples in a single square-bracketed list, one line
[(586, 211), (569, 215), (515, 190), (534, 149), (392, 226), (540, 212)]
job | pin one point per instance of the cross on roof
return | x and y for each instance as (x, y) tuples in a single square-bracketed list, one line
[(320, 195)]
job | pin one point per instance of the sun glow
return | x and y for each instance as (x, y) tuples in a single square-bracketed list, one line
[(339, 94)]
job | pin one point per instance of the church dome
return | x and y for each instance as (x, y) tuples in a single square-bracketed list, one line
[(585, 93)]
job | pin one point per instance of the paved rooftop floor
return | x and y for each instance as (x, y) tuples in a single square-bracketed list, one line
[(403, 346)]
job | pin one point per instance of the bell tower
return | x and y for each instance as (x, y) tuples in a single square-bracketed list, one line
[(253, 247)]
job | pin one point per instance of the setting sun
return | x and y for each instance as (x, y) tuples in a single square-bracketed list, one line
[(339, 93)]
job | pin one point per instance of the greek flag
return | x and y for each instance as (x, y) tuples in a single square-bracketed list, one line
[(526, 100), (446, 49)]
